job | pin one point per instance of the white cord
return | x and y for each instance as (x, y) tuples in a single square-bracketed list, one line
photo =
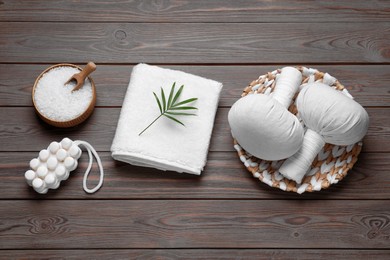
[(91, 151)]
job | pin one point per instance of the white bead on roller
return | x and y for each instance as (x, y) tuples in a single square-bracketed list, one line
[(66, 143), (42, 171), (53, 147), (39, 186), (75, 151), (44, 155), (70, 163), (34, 164), (52, 163), (60, 172), (61, 155), (51, 180), (30, 175), (55, 163)]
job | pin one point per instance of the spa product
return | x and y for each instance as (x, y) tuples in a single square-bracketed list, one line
[(166, 145), (54, 164), (331, 117), (263, 126), (58, 100)]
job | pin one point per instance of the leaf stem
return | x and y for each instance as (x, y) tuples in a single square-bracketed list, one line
[(150, 124)]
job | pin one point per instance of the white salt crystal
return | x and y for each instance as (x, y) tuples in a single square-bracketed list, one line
[(56, 101)]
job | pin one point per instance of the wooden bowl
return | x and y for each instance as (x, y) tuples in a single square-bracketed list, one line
[(73, 122)]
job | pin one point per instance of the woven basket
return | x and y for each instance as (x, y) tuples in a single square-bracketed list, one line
[(332, 163), (78, 120)]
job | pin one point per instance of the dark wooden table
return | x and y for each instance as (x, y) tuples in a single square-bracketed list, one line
[(225, 213)]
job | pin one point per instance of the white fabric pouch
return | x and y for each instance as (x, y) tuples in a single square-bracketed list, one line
[(166, 145)]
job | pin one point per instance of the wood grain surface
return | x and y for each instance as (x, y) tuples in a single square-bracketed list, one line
[(223, 178), (210, 254), (196, 224), (195, 11), (191, 43), (143, 213), (369, 84)]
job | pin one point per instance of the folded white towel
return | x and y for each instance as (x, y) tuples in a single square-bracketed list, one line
[(166, 145)]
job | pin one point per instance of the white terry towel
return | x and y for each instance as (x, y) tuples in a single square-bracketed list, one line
[(166, 145)]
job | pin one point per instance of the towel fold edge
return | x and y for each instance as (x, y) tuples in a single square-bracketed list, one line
[(152, 162)]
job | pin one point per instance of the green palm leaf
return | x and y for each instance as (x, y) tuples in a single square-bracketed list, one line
[(185, 102), (179, 114), (178, 93), (168, 107), (171, 95), (174, 119), (158, 102), (163, 99), (182, 108)]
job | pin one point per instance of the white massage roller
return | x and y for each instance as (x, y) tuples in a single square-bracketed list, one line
[(263, 126), (55, 163), (331, 117)]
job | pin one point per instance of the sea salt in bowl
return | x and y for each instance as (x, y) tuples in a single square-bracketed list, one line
[(54, 101)]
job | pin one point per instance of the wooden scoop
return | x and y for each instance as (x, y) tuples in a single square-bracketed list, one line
[(82, 75)]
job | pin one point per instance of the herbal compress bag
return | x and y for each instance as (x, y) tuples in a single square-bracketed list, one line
[(330, 117), (263, 126)]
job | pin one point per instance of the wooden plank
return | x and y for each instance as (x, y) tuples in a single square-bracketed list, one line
[(21, 130), (210, 254), (223, 178), (369, 84), (195, 11), (191, 43), (194, 224)]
